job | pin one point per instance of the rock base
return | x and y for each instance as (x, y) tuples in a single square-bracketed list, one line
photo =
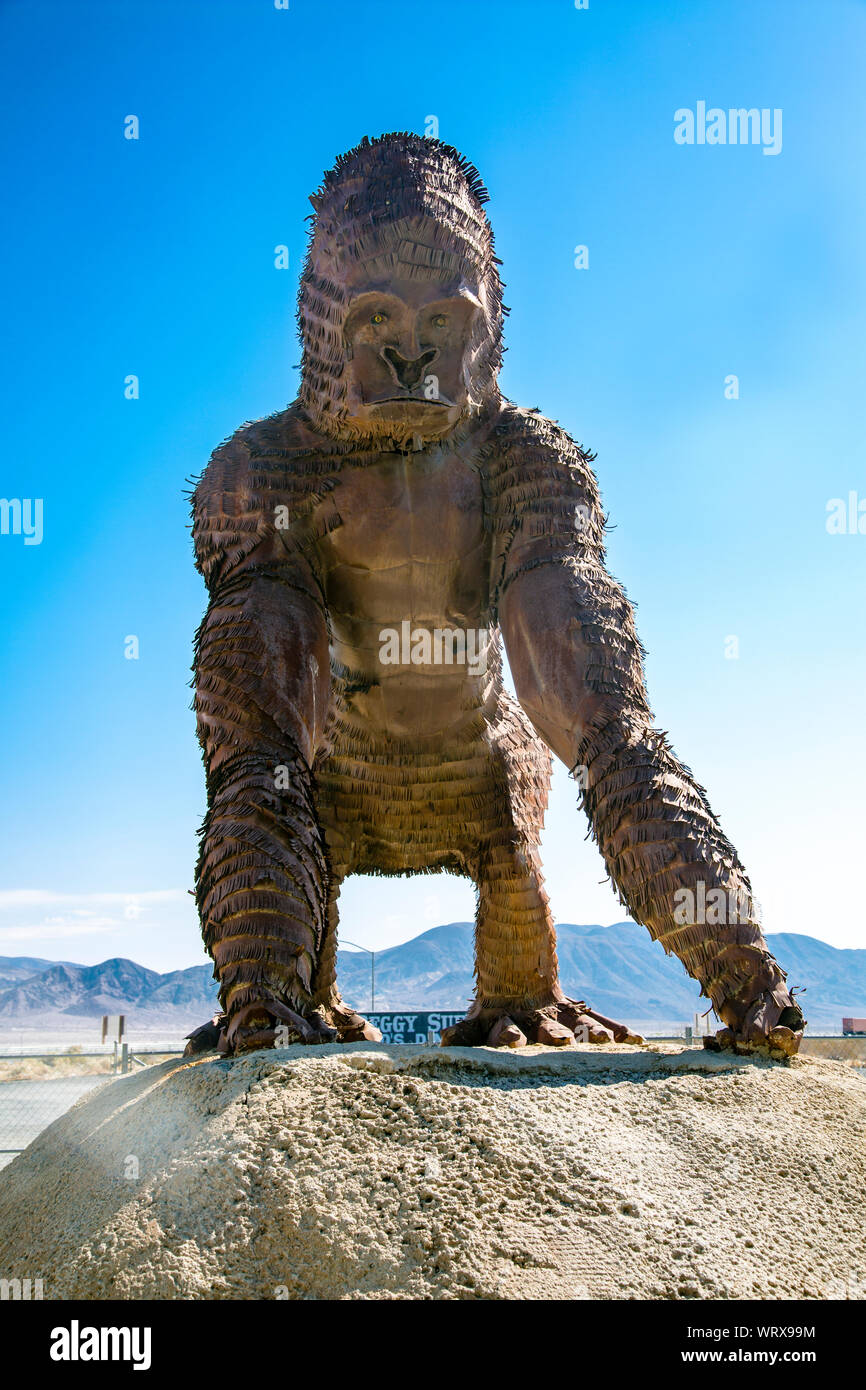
[(369, 1171)]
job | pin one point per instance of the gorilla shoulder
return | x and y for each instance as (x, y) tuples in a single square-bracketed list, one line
[(248, 475), (536, 465), (524, 427)]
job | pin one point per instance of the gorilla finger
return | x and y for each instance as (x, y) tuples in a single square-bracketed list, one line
[(505, 1033), (553, 1034)]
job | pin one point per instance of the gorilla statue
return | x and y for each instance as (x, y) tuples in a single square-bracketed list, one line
[(367, 551)]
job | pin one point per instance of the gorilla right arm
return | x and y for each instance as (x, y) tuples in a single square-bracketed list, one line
[(262, 686), (578, 671)]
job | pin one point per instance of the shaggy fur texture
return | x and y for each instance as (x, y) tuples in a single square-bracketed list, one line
[(334, 518)]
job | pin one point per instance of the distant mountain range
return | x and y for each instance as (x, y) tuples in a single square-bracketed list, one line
[(617, 969), (52, 994)]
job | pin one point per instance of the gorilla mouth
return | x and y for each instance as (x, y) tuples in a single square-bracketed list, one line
[(412, 400)]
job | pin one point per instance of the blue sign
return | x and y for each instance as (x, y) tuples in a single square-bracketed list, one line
[(409, 1027)]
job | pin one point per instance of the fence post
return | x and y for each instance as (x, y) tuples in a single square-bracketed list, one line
[(124, 1058)]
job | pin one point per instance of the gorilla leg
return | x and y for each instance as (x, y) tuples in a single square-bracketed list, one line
[(262, 693), (515, 942), (519, 998), (518, 995)]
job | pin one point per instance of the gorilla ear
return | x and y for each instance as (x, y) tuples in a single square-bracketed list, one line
[(316, 202)]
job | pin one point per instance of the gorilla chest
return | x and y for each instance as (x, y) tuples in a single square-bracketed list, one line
[(410, 539)]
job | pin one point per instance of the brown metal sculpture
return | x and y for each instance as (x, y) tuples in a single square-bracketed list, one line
[(366, 551)]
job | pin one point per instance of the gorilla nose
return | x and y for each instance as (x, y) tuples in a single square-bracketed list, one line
[(407, 371)]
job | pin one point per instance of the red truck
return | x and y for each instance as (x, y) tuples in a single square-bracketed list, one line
[(854, 1027)]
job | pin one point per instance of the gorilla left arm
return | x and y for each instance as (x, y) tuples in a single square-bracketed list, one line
[(578, 671)]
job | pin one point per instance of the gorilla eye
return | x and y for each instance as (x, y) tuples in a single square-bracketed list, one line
[(377, 318), (439, 320)]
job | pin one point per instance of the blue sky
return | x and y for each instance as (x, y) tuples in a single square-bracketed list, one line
[(155, 257)]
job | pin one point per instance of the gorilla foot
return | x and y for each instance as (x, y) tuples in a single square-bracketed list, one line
[(349, 1025), (264, 1023), (773, 1024), (556, 1025), (271, 1023)]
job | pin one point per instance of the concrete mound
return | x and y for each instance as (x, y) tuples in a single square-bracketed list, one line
[(381, 1172)]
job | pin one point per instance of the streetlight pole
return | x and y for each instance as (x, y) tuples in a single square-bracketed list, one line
[(372, 955)]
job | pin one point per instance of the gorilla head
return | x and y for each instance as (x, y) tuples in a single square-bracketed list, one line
[(400, 305)]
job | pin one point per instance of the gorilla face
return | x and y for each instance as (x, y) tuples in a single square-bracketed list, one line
[(410, 348), (400, 301)]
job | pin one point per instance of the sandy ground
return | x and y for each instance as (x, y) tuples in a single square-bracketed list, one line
[(409, 1172)]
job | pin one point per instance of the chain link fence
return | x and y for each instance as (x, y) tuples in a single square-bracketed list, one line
[(837, 1049), (36, 1088)]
